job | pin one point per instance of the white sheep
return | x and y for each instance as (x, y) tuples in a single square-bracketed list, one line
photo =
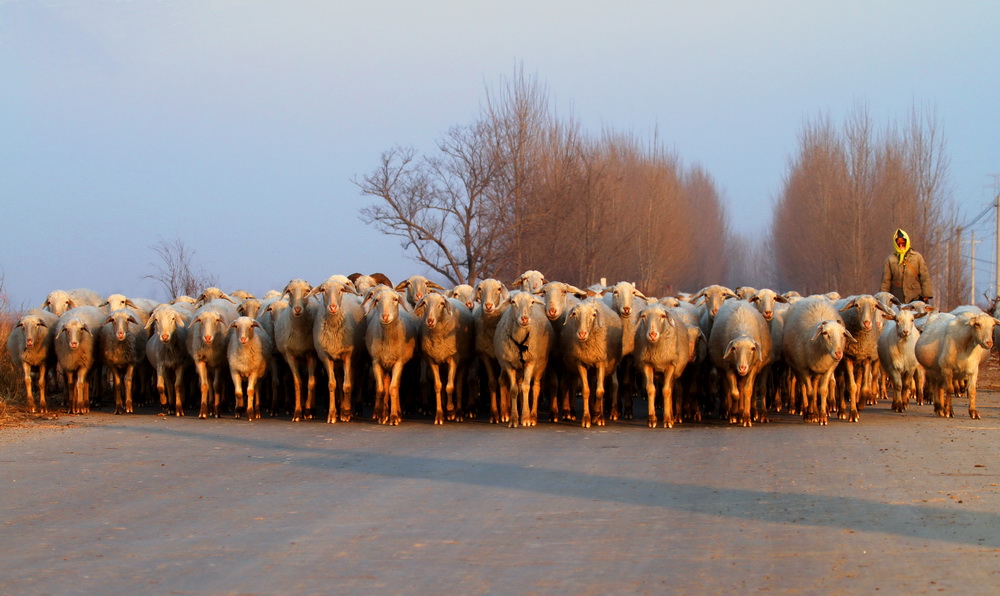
[(248, 352), (740, 347), (207, 347), (951, 348), (339, 329), (813, 344), (491, 302), (627, 302), (522, 342), (391, 339), (123, 348), (465, 294), (30, 347), (591, 339), (166, 351), (75, 344), (861, 316), (293, 336), (270, 309), (558, 299), (896, 345), (446, 336), (416, 287), (212, 293), (529, 281), (662, 348), (59, 301)]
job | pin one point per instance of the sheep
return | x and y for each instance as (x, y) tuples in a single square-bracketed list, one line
[(416, 287), (391, 339), (293, 336), (123, 348), (248, 352), (745, 292), (529, 281), (773, 307), (860, 316), (30, 347), (270, 309), (688, 407), (813, 343), (713, 296), (740, 347), (363, 283), (465, 294), (241, 295), (446, 336), (558, 299), (207, 347), (522, 342), (59, 301), (627, 302), (75, 345), (662, 347), (249, 307), (951, 348), (166, 350), (339, 339), (591, 338), (210, 294), (491, 302), (896, 354)]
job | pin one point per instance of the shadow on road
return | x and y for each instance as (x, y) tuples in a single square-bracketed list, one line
[(853, 513)]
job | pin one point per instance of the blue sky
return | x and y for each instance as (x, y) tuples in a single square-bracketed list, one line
[(237, 125)]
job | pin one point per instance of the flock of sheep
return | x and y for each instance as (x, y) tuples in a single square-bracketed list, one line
[(735, 354)]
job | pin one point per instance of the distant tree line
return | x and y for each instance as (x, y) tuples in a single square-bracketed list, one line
[(521, 188)]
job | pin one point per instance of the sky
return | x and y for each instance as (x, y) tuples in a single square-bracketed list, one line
[(238, 126)]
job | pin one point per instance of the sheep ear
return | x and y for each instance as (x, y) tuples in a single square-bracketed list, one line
[(433, 285), (256, 324), (232, 325), (730, 349), (881, 307), (226, 297), (402, 285), (132, 320), (149, 324), (517, 281), (419, 307), (315, 291), (920, 315), (850, 304), (130, 304), (178, 319), (760, 351), (72, 303), (850, 337), (576, 291), (109, 320), (350, 287), (820, 329), (640, 294)]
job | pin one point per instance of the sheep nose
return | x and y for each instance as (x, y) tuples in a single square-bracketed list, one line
[(839, 354), (208, 339), (244, 340), (120, 335), (297, 311), (653, 336), (333, 309), (742, 369), (867, 324), (431, 323), (74, 345), (30, 343), (164, 338), (386, 318), (582, 335), (488, 306), (626, 310), (553, 312), (525, 321), (768, 315)]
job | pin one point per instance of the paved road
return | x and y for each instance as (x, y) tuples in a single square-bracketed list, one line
[(105, 504)]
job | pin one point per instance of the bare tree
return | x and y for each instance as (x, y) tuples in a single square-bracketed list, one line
[(176, 270)]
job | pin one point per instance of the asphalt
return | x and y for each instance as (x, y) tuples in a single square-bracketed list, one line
[(151, 504)]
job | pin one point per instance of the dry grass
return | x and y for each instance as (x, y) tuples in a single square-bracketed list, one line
[(12, 396)]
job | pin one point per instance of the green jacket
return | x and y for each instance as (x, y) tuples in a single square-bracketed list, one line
[(908, 281)]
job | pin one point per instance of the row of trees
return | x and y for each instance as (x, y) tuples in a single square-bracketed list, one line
[(521, 188)]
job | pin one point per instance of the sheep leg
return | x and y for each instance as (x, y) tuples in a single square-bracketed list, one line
[(202, 369), (253, 409), (346, 407), (83, 382), (746, 398), (973, 412), (525, 394), (449, 389), (512, 411), (44, 407), (330, 364), (438, 410), (379, 413), (297, 387), (599, 391), (310, 385), (395, 416), (129, 372), (668, 396), (898, 399), (822, 396), (852, 392), (217, 393), (238, 391), (649, 376), (179, 391), (26, 372), (585, 394), (536, 394), (567, 385)]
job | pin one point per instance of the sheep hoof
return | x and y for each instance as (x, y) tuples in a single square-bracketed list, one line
[(652, 422), (668, 424), (823, 420), (586, 421), (331, 419), (747, 423), (345, 417), (974, 414), (439, 418), (394, 420)]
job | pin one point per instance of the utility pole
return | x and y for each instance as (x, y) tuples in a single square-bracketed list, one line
[(972, 266)]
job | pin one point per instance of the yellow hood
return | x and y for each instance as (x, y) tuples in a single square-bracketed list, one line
[(906, 248)]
